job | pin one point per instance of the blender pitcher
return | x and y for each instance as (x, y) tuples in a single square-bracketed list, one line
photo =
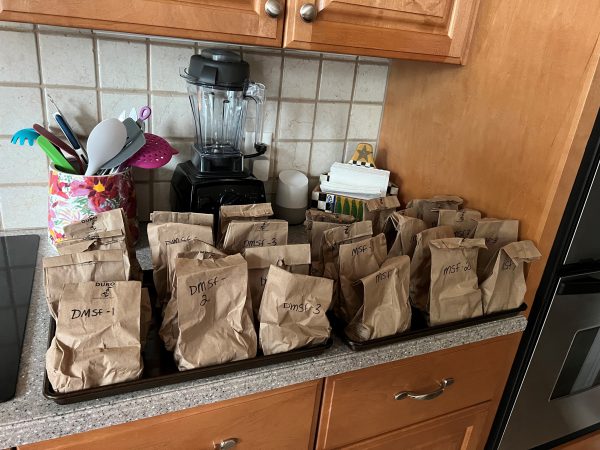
[(220, 94)]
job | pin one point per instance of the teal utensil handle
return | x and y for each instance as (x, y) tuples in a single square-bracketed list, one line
[(60, 162)]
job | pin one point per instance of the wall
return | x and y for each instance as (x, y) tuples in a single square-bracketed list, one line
[(506, 131), (319, 105)]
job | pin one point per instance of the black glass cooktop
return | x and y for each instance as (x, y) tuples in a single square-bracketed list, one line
[(18, 256)]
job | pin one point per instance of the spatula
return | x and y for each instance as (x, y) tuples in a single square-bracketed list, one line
[(60, 162), (135, 141), (104, 143)]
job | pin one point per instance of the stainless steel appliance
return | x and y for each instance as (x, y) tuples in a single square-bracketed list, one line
[(221, 96), (553, 393)]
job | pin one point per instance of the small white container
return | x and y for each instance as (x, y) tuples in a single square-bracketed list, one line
[(291, 199)]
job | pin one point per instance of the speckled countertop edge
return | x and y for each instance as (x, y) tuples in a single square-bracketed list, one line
[(30, 417)]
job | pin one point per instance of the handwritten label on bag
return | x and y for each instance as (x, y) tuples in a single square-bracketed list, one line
[(457, 267), (302, 307)]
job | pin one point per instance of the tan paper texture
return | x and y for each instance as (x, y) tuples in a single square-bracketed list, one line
[(160, 236), (332, 239), (505, 288), (214, 313), (428, 209), (242, 234), (454, 294), (401, 234), (420, 265), (99, 265), (97, 339), (357, 260), (255, 211), (169, 327), (293, 258), (497, 233), (292, 311), (385, 309), (379, 209), (463, 222), (190, 218)]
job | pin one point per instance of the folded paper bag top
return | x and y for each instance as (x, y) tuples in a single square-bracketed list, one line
[(463, 221), (98, 335), (505, 287), (497, 233), (254, 211), (243, 234), (428, 208), (401, 234), (292, 311), (454, 294), (214, 313)]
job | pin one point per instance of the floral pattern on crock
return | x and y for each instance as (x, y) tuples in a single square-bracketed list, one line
[(72, 198)]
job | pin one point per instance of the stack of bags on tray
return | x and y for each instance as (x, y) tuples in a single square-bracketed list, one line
[(102, 313), (213, 296)]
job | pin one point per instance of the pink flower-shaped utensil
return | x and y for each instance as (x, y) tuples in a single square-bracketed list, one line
[(155, 153)]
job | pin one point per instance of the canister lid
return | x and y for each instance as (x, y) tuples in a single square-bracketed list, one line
[(217, 68)]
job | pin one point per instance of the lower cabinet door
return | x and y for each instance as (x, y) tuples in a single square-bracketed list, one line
[(461, 430), (283, 418)]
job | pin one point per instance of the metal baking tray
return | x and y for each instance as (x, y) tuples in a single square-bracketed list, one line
[(159, 366), (419, 328)]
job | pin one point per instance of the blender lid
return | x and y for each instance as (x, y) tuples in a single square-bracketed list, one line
[(217, 68)]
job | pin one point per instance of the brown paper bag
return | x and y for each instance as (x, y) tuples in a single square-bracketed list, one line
[(454, 294), (293, 258), (114, 220), (190, 218), (145, 316), (100, 265), (97, 339), (385, 308), (505, 288), (463, 222), (497, 233), (292, 311), (401, 234), (316, 223), (378, 210), (175, 251), (160, 236), (332, 239), (169, 327), (243, 234), (255, 211), (357, 260), (410, 212), (420, 265), (428, 208), (214, 313)]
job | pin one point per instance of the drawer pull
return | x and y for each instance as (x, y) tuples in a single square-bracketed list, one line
[(428, 395), (226, 443)]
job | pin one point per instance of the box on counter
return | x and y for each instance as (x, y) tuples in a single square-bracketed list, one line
[(342, 204)]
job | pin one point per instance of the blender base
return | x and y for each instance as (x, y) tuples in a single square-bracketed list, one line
[(193, 192)]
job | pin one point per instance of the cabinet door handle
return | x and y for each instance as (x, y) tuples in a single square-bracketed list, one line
[(427, 395), (226, 443), (308, 12), (273, 8)]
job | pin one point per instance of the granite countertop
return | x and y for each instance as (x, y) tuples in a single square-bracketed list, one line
[(30, 417)]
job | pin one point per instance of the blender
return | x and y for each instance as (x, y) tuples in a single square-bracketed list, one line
[(220, 94)]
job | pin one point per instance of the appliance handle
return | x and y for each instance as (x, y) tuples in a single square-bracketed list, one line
[(256, 93), (580, 286)]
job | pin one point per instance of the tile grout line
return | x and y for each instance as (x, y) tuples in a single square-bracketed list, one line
[(355, 76), (95, 49), (275, 139), (314, 124), (150, 121)]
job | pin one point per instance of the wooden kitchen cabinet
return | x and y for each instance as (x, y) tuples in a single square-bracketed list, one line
[(236, 21), (433, 30), (461, 430), (361, 406), (283, 418)]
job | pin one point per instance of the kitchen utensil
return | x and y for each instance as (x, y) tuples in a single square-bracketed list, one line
[(68, 132), (106, 140), (55, 156), (122, 116), (26, 134), (156, 153), (56, 141), (142, 116), (135, 141)]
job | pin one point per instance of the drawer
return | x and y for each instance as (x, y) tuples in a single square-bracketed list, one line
[(284, 418), (362, 404), (462, 430)]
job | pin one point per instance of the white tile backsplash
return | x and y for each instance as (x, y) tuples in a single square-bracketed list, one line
[(319, 106), (300, 76), (67, 60), (20, 107), (20, 65), (122, 64)]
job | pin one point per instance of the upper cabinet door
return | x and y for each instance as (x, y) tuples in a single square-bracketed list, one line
[(433, 30), (237, 21)]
